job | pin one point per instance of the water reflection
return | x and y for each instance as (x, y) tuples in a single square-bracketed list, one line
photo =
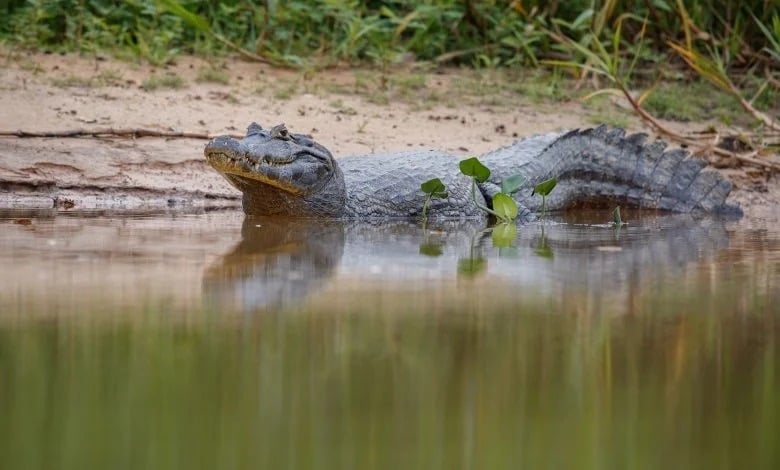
[(281, 262), (387, 345), (277, 261)]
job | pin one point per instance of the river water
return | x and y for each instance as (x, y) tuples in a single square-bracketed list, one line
[(214, 341)]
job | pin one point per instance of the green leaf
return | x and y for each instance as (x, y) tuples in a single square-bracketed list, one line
[(192, 19), (504, 234), (435, 188), (505, 207), (544, 251), (470, 267), (581, 22), (512, 184), (432, 249), (545, 187), (474, 168)]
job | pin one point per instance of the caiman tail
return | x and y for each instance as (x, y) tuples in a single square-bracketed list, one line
[(602, 166)]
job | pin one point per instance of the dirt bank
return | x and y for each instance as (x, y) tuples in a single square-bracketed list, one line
[(348, 111)]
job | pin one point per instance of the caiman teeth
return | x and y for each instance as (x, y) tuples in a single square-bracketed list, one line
[(269, 161), (237, 159)]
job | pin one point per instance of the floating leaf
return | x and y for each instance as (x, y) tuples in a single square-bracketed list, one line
[(512, 184), (474, 168), (504, 235), (470, 267), (431, 249), (544, 251), (545, 187), (505, 207), (435, 188)]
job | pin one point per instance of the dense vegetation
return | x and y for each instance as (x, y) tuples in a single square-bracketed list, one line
[(482, 33), (636, 45)]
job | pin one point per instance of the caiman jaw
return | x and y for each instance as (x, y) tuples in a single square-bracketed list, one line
[(238, 169)]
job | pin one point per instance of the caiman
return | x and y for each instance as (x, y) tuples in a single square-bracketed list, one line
[(282, 173)]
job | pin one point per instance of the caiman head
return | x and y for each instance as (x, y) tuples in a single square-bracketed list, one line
[(280, 173)]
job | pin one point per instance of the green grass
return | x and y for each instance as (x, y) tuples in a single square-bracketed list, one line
[(166, 81), (610, 118), (692, 101), (544, 85), (213, 75), (339, 107), (72, 81), (107, 77), (485, 34), (408, 83), (285, 91), (30, 65)]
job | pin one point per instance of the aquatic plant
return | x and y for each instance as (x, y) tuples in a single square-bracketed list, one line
[(616, 220), (544, 189), (433, 188), (504, 207)]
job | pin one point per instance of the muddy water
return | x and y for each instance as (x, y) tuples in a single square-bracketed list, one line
[(211, 341)]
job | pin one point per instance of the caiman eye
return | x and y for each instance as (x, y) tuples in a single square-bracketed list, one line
[(253, 128), (280, 132)]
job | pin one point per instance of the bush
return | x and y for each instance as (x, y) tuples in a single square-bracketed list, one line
[(487, 32)]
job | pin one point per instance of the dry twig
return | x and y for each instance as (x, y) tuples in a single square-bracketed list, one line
[(693, 141), (111, 132)]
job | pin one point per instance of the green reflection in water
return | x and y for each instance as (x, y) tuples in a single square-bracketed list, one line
[(352, 390)]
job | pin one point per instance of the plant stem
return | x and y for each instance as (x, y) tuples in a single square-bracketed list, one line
[(425, 207), (480, 206)]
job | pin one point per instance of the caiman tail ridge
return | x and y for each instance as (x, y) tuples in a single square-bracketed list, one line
[(290, 174), (602, 167)]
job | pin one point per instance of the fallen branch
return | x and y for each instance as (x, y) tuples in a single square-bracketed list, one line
[(601, 62), (692, 140), (710, 70), (111, 132)]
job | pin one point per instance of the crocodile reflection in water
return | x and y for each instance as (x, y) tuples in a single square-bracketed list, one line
[(276, 261), (281, 261)]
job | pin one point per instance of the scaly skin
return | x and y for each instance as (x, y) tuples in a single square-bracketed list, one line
[(280, 173)]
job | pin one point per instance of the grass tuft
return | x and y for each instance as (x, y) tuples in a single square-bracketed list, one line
[(160, 82), (108, 77), (213, 75), (285, 91), (692, 101)]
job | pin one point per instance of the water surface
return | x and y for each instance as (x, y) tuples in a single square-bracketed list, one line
[(214, 341)]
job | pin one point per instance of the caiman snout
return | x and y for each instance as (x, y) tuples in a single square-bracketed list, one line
[(223, 144)]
